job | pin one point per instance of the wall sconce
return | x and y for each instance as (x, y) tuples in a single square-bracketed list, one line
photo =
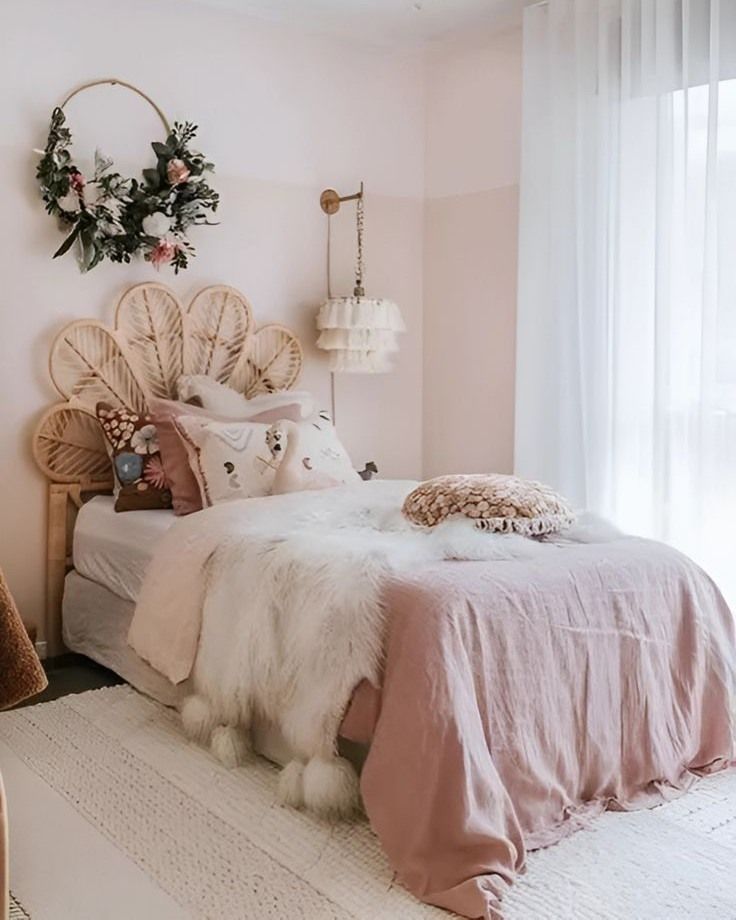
[(359, 332)]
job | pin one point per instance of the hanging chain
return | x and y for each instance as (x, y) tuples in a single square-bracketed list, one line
[(329, 267), (359, 265)]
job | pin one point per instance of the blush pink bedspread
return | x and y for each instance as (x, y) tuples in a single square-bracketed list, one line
[(521, 697)]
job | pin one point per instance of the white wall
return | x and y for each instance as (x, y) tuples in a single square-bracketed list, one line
[(473, 130), (282, 116)]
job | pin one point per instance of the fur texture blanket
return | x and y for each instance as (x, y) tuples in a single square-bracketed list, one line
[(285, 597)]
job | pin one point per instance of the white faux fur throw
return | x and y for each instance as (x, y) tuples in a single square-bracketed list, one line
[(287, 590)]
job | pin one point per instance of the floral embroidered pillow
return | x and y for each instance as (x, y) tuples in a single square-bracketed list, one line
[(140, 479)]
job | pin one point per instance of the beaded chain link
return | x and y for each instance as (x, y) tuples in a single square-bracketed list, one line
[(359, 265)]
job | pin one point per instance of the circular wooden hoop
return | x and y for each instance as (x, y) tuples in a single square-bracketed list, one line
[(114, 81)]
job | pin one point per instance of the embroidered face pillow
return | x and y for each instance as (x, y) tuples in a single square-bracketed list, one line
[(140, 479), (312, 456), (185, 490), (498, 503), (230, 460)]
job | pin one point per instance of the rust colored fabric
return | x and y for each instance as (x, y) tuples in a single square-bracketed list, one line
[(21, 674)]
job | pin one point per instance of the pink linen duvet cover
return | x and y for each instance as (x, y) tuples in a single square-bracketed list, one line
[(517, 697), (521, 698)]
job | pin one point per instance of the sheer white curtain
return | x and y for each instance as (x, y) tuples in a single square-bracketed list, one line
[(626, 354)]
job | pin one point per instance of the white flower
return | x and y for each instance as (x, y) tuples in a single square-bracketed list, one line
[(102, 162), (92, 194), (145, 440), (69, 202), (157, 224)]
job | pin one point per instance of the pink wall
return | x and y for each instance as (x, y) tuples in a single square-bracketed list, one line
[(473, 126), (282, 115), (435, 137)]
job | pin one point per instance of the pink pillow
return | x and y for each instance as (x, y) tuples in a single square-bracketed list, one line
[(185, 493)]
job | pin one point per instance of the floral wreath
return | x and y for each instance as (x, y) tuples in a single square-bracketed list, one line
[(116, 218)]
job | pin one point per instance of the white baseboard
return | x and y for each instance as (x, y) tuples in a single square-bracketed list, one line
[(41, 649)]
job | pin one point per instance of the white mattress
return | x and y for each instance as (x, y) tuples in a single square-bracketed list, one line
[(114, 549)]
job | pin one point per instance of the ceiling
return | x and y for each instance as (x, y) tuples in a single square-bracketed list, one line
[(385, 22)]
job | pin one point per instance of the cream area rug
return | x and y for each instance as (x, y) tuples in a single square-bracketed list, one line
[(215, 844)]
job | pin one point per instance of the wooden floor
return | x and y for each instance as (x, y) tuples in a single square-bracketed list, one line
[(72, 674)]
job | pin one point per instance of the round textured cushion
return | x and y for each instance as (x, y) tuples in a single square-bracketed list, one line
[(498, 503)]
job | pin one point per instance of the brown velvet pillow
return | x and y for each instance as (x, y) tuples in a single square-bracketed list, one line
[(498, 503), (182, 482), (141, 482)]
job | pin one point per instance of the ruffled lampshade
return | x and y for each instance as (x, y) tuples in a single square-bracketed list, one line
[(358, 332)]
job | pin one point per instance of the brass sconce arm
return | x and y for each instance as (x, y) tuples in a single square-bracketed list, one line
[(330, 201)]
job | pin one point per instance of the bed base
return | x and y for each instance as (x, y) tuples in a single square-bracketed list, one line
[(64, 502)]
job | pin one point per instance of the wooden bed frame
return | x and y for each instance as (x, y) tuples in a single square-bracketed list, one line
[(153, 342)]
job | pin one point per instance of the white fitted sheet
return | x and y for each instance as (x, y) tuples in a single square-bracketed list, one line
[(114, 548)]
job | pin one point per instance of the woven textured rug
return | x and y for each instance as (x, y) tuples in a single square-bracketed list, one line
[(218, 843)]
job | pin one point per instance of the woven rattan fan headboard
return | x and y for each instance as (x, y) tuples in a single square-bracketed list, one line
[(154, 341)]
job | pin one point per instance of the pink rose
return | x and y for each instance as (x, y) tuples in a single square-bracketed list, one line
[(177, 172), (163, 252), (77, 182)]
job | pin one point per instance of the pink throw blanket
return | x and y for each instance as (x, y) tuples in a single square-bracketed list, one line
[(521, 697)]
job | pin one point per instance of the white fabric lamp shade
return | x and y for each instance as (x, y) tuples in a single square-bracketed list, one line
[(359, 333)]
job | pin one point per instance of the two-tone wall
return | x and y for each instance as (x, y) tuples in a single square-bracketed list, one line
[(473, 125), (282, 115), (433, 134)]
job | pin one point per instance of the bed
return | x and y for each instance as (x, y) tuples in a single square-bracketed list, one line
[(110, 555), (509, 696), (96, 558)]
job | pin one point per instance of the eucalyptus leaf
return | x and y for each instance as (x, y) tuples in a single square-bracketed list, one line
[(152, 177), (68, 242)]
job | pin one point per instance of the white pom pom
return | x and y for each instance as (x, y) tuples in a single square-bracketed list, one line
[(331, 787), (291, 788), (197, 718), (230, 745)]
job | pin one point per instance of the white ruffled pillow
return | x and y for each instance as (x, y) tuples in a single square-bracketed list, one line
[(223, 400)]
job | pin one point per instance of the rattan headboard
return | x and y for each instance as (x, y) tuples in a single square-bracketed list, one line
[(154, 341)]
